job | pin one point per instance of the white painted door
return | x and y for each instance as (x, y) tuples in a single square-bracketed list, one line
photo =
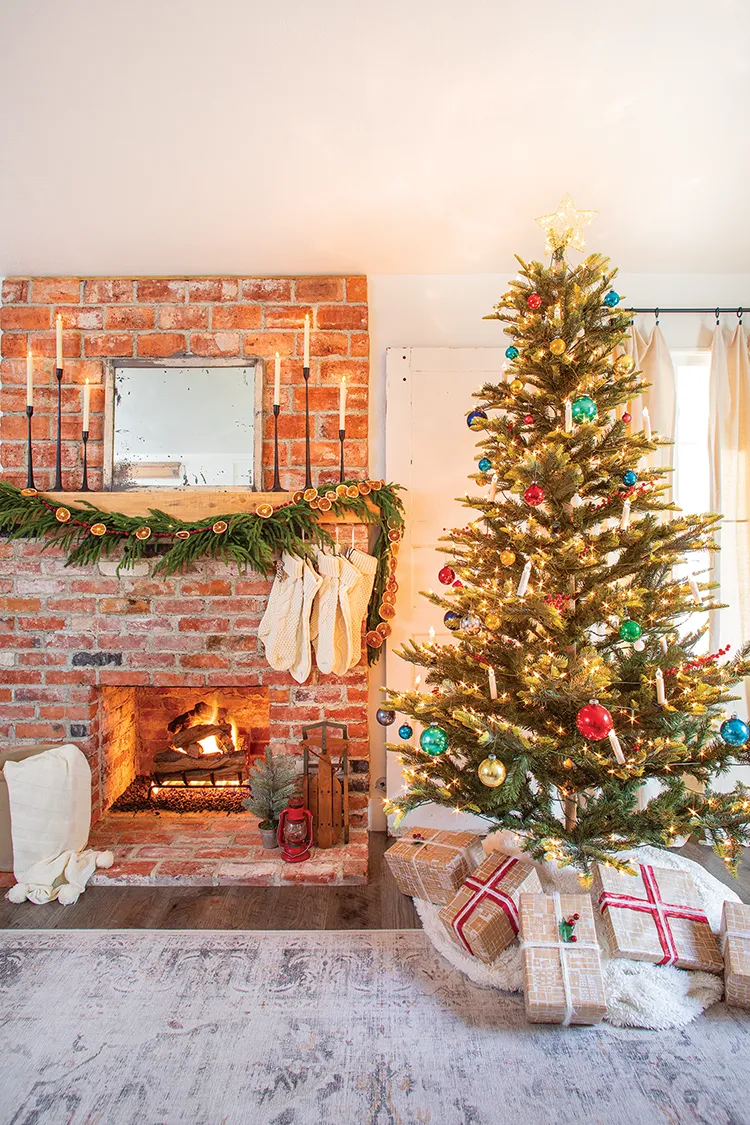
[(431, 451)]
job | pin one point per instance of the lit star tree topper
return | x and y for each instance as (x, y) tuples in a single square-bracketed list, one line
[(564, 227)]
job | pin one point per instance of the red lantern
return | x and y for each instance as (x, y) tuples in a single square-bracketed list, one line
[(594, 721), (295, 834)]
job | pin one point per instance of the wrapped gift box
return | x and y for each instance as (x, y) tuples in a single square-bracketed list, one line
[(428, 863), (655, 916), (562, 969), (482, 918), (735, 930)]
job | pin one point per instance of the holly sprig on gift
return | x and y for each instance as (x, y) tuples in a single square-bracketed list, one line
[(251, 540)]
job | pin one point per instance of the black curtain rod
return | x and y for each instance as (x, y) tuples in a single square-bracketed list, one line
[(657, 311)]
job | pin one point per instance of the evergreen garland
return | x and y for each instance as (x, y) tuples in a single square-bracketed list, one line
[(251, 540)]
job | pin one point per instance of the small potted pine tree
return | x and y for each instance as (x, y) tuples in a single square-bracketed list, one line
[(273, 780)]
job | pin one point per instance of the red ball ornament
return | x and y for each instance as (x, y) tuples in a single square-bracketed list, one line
[(528, 419), (458, 584), (627, 418), (534, 301), (446, 575), (594, 721), (534, 495)]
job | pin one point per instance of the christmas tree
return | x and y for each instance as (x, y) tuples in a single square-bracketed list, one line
[(574, 677)]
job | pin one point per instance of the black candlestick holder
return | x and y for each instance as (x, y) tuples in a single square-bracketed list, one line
[(85, 482), (342, 435), (276, 487), (58, 452), (29, 454), (308, 471)]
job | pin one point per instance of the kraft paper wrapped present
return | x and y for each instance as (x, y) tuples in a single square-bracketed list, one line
[(562, 969), (654, 916), (735, 931), (482, 918), (432, 864)]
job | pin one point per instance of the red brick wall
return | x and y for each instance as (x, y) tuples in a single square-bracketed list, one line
[(66, 633), (231, 317)]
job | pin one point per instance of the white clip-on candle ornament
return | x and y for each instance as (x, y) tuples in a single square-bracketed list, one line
[(524, 581), (616, 747), (694, 590), (568, 416), (493, 488), (625, 517), (492, 681), (661, 695)]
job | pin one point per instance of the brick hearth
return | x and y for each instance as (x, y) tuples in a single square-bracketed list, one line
[(66, 634)]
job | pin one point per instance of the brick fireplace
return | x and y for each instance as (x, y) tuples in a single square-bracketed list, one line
[(87, 656)]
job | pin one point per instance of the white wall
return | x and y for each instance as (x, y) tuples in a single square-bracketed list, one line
[(434, 310)]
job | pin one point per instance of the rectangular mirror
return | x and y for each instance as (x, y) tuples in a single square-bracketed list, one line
[(183, 424)]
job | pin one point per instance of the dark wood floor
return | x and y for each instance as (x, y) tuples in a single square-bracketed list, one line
[(378, 906)]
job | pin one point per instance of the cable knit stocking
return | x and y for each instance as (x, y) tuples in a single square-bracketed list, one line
[(349, 579), (327, 621), (302, 665), (279, 627), (359, 599)]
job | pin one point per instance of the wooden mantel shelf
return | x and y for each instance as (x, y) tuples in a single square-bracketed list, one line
[(188, 506)]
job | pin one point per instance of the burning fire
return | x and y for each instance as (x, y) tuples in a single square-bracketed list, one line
[(210, 745)]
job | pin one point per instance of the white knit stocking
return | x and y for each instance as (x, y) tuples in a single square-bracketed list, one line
[(302, 665), (349, 579), (326, 614), (359, 599), (280, 623)]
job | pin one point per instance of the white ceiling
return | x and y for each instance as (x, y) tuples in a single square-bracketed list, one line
[(378, 136)]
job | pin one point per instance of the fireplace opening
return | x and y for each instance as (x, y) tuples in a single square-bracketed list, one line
[(181, 750)]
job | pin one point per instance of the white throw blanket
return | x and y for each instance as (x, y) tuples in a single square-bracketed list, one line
[(638, 994), (50, 815)]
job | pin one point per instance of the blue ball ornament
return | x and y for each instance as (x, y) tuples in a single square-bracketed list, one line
[(485, 465), (433, 740), (511, 352), (612, 299), (475, 419), (452, 621), (734, 731), (405, 732), (629, 478), (584, 409)]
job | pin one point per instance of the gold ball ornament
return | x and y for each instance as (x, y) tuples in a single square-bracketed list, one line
[(516, 385), (624, 364), (98, 529), (62, 515), (220, 527), (143, 533), (557, 346), (492, 621), (491, 772), (507, 558), (264, 511)]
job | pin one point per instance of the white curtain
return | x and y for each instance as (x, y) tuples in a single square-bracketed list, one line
[(653, 359), (729, 440)]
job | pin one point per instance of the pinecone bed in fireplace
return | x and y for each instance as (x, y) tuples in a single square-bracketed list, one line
[(203, 750)]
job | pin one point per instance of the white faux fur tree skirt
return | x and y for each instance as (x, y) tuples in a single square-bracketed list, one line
[(638, 994)]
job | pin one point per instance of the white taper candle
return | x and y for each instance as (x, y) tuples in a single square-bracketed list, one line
[(342, 403), (616, 748), (306, 359), (625, 517), (568, 416), (58, 327), (277, 380), (695, 591), (664, 645), (492, 680), (524, 581), (86, 406), (29, 380), (661, 695)]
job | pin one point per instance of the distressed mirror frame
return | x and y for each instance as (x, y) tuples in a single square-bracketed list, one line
[(110, 369)]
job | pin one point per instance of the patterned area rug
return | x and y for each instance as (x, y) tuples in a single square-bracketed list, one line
[(374, 1028)]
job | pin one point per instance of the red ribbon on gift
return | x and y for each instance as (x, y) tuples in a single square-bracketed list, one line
[(482, 891), (659, 910)]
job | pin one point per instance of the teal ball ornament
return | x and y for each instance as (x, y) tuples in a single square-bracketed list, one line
[(511, 352), (385, 717), (485, 465), (630, 630), (475, 419), (584, 409), (433, 740), (612, 299), (405, 732), (734, 732), (629, 478), (452, 621)]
